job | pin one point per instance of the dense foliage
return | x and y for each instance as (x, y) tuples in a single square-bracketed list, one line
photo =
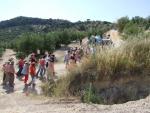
[(30, 42), (29, 34), (22, 21), (13, 28), (135, 26)]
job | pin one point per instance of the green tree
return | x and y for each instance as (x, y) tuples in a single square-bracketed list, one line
[(121, 23), (132, 29)]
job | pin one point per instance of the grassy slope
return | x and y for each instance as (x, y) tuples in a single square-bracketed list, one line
[(122, 68)]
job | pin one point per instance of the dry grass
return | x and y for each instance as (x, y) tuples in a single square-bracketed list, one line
[(130, 60)]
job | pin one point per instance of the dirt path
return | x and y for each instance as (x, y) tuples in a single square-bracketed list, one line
[(116, 38), (18, 102)]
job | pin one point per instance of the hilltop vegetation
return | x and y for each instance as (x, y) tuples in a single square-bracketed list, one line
[(46, 34), (133, 27), (49, 34), (12, 28), (23, 21)]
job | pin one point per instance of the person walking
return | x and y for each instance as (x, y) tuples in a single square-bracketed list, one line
[(11, 75), (51, 66), (46, 59), (72, 61), (32, 70), (66, 59), (20, 66), (5, 73), (25, 72), (42, 69), (33, 58)]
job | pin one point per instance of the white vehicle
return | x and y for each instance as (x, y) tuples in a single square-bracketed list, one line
[(99, 40)]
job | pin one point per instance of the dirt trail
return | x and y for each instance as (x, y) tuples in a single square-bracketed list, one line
[(114, 35), (18, 102), (116, 38)]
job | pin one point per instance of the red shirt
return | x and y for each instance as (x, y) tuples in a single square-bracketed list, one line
[(21, 63), (32, 70)]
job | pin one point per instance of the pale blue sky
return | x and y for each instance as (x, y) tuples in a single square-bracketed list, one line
[(74, 10)]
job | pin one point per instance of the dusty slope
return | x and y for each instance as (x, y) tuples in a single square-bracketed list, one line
[(18, 102)]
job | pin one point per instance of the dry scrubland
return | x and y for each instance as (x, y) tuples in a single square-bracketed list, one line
[(110, 76), (17, 102)]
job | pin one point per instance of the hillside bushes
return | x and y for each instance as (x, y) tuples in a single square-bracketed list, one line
[(133, 27), (30, 42)]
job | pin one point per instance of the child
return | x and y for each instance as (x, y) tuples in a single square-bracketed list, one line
[(51, 65), (46, 60), (5, 69), (72, 61), (25, 72), (66, 59), (11, 74), (33, 58), (42, 68), (20, 65), (33, 74)]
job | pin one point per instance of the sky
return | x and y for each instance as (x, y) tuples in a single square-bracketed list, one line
[(74, 10)]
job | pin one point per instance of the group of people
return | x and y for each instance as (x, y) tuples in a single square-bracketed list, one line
[(42, 68), (72, 57), (33, 67)]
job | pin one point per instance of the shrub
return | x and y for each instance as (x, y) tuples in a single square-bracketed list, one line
[(132, 29), (121, 23), (90, 95), (128, 61), (30, 42), (48, 88)]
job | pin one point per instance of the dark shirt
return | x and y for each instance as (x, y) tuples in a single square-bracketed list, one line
[(72, 57), (32, 60), (52, 58)]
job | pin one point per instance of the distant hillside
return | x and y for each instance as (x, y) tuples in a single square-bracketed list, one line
[(23, 21), (11, 29)]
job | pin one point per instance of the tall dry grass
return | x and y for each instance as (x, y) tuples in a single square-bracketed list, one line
[(129, 60)]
